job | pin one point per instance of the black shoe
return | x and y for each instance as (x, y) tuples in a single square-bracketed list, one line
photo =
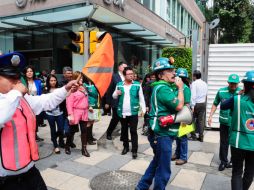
[(67, 150), (134, 155), (229, 165), (38, 139), (43, 125), (201, 139), (109, 137), (222, 167), (72, 145), (125, 150), (193, 138), (91, 142), (94, 139)]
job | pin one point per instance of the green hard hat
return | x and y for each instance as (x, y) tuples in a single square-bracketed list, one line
[(249, 77), (181, 72), (233, 78), (162, 63)]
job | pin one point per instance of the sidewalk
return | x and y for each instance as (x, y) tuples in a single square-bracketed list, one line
[(66, 172)]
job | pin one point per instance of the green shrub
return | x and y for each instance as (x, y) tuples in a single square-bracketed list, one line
[(182, 56)]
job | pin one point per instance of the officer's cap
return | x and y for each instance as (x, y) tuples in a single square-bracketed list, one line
[(11, 64)]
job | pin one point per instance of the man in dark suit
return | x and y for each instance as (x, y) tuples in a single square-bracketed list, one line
[(117, 77)]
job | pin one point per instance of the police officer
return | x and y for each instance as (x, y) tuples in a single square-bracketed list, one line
[(225, 117), (181, 153), (18, 124), (163, 102), (241, 134)]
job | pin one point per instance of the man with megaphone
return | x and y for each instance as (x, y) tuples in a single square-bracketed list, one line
[(164, 102)]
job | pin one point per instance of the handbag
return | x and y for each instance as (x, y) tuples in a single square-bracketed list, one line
[(185, 129), (95, 115)]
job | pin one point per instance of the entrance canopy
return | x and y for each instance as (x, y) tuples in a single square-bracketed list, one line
[(80, 13)]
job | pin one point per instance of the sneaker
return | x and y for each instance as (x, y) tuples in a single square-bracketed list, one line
[(180, 162), (57, 150)]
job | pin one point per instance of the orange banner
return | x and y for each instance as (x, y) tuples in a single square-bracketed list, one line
[(99, 67)]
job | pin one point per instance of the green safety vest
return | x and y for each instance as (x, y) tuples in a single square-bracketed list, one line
[(163, 102), (92, 95), (242, 128), (134, 98), (222, 95)]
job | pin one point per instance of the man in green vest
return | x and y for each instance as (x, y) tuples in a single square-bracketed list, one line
[(164, 102), (130, 97), (225, 117), (241, 134)]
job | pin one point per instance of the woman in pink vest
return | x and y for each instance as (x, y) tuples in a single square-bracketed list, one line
[(18, 124), (77, 108)]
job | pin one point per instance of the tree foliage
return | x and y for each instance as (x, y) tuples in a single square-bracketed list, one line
[(182, 56), (235, 20)]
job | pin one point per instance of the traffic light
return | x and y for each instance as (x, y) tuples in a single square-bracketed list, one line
[(77, 45), (95, 39)]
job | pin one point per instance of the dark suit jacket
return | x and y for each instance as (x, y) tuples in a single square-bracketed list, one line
[(109, 99)]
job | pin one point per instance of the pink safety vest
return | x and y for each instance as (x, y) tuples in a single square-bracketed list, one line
[(17, 139)]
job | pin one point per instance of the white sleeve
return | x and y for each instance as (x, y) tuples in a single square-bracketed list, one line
[(115, 95), (8, 105), (193, 94), (142, 100), (46, 101)]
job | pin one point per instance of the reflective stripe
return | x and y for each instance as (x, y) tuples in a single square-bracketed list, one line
[(100, 70), (16, 150), (238, 121), (156, 108)]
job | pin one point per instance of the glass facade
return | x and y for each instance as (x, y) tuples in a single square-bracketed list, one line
[(176, 15), (46, 48)]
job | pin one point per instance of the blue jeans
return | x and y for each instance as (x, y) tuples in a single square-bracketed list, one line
[(159, 168), (53, 120), (182, 148)]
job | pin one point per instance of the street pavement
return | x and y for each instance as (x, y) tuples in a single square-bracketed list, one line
[(66, 172)]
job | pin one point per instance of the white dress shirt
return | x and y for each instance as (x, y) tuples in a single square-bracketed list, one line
[(198, 92), (127, 101)]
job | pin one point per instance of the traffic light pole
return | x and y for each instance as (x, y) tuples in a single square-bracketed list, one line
[(86, 48)]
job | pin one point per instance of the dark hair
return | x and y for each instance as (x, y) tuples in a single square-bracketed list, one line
[(186, 81), (48, 84), (121, 63), (67, 68), (249, 89), (25, 71), (197, 74), (127, 69)]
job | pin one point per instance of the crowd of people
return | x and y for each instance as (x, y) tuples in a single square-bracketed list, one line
[(72, 103)]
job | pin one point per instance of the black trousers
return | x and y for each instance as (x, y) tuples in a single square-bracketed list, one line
[(224, 143), (31, 180), (113, 122), (199, 116), (240, 180), (132, 122)]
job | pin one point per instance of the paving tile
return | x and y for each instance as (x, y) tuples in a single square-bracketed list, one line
[(201, 158), (149, 151), (77, 183), (114, 162), (172, 187), (142, 139), (95, 158), (72, 167), (212, 136), (216, 182), (50, 188), (189, 179), (54, 178), (92, 172), (143, 147), (138, 166), (252, 186)]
